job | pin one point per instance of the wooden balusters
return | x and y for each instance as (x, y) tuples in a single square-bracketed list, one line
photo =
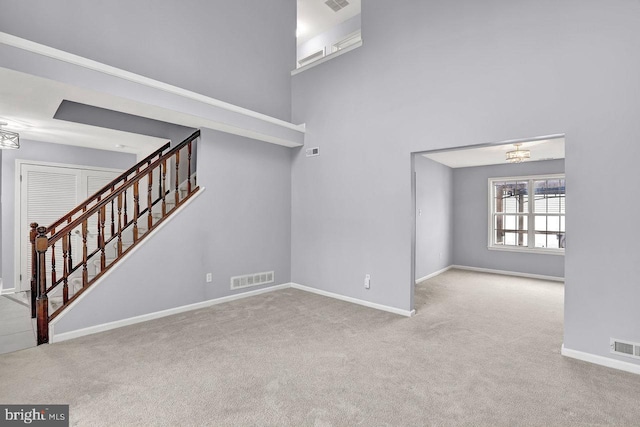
[(34, 260), (101, 220), (149, 200), (136, 210), (164, 186), (65, 267), (42, 301), (126, 220), (70, 256), (85, 250), (189, 168), (119, 243), (75, 226), (113, 227), (177, 178), (53, 258)]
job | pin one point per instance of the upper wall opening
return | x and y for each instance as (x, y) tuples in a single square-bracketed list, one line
[(325, 27)]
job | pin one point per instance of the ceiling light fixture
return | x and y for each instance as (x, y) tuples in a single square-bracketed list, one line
[(8, 140), (518, 155)]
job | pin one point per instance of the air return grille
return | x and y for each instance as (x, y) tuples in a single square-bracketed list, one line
[(336, 5), (625, 348), (249, 280)]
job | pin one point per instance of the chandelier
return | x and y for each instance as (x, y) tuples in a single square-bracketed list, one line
[(518, 155), (10, 140)]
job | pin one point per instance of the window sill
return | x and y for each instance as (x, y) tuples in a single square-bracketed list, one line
[(527, 250), (327, 58)]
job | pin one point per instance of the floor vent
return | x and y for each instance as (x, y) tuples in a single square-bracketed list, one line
[(625, 348), (255, 279)]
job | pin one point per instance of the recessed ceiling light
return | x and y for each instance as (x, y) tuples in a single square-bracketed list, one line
[(120, 146)]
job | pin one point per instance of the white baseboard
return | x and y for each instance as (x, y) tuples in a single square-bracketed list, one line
[(63, 336), (125, 257), (390, 309), (509, 273), (601, 360), (156, 315), (434, 274)]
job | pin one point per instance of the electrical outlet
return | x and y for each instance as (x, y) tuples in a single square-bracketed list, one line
[(367, 281), (209, 277)]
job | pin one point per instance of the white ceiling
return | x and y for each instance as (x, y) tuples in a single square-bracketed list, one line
[(547, 149), (315, 17), (28, 104)]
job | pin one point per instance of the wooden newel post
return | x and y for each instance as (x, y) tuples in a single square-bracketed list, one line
[(34, 290), (42, 301)]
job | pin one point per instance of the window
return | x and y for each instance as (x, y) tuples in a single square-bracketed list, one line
[(522, 223)]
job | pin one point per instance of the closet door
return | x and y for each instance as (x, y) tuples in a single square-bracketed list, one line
[(46, 194)]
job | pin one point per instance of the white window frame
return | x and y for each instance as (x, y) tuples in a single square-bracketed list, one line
[(530, 217)]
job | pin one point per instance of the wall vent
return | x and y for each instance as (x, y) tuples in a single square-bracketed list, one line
[(255, 279), (336, 5), (313, 152), (625, 348)]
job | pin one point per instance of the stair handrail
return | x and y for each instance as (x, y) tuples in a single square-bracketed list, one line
[(111, 186), (130, 182), (41, 243)]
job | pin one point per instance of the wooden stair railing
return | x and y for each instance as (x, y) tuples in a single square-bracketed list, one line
[(75, 251)]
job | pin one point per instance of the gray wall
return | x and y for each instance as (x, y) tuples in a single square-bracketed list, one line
[(239, 225), (434, 216), (471, 217), (437, 74), (240, 52), (43, 152)]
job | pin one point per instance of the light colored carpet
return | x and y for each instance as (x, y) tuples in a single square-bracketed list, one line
[(482, 350)]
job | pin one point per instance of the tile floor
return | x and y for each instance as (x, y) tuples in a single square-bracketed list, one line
[(16, 328)]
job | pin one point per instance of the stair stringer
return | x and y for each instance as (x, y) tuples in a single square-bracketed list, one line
[(159, 273)]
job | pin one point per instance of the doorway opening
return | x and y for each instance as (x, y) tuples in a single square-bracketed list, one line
[(494, 208)]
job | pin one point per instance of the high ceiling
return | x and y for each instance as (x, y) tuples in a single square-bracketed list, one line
[(28, 104), (315, 17), (546, 149)]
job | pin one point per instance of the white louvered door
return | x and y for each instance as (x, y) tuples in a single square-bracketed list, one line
[(46, 194)]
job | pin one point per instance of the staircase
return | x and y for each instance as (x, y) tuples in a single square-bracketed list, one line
[(71, 254)]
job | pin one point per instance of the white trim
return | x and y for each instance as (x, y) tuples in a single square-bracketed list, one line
[(156, 315), (601, 360), (327, 58), (349, 37), (70, 58), (509, 273), (394, 310), (64, 336), (126, 256), (434, 274), (530, 215), (528, 250)]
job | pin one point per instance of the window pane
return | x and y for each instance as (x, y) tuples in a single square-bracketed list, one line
[(549, 196), (549, 231), (511, 197), (510, 230)]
